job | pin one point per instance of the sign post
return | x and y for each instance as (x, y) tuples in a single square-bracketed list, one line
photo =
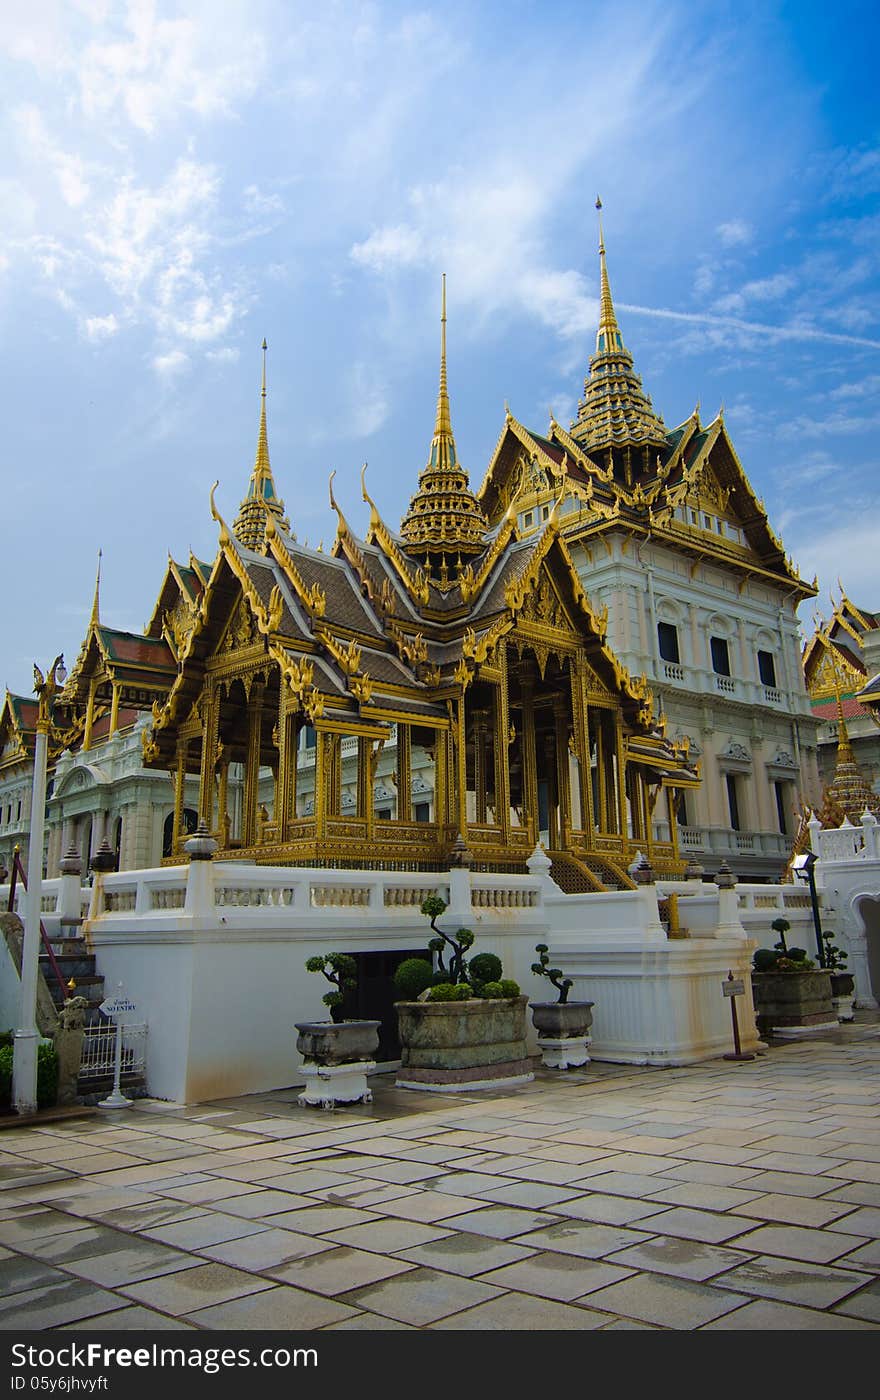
[(734, 987), (117, 1007)]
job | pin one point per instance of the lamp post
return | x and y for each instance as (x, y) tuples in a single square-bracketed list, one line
[(803, 866), (27, 1037)]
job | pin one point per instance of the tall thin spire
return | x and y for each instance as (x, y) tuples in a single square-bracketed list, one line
[(443, 420), (250, 523), (615, 411), (95, 619), (444, 516), (608, 336)]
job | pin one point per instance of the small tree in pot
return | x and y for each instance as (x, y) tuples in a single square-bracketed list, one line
[(563, 1026), (337, 1054), (790, 993), (463, 1024)]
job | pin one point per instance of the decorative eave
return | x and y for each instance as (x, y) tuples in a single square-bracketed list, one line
[(414, 579), (312, 598)]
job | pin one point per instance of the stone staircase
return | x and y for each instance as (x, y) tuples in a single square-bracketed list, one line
[(73, 961)]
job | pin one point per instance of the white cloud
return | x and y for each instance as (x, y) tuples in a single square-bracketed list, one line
[(173, 363), (846, 548), (369, 401), (396, 246), (100, 327), (226, 355), (748, 330), (762, 289), (734, 233)]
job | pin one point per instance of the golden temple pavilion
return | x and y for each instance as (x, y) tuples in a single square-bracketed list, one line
[(467, 648)]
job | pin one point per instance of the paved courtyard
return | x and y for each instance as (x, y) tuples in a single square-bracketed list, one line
[(722, 1196)]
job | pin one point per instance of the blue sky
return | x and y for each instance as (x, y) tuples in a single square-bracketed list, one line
[(179, 180)]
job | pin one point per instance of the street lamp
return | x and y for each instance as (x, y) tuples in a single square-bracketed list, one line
[(803, 867), (27, 1037)]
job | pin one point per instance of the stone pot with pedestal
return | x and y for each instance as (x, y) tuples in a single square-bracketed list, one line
[(843, 986), (472, 1043), (563, 1026), (563, 1032), (337, 1057)]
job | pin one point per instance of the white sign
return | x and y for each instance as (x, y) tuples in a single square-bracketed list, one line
[(733, 988), (117, 1006)]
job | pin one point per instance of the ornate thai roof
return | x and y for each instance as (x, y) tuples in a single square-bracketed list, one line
[(849, 793), (261, 499)]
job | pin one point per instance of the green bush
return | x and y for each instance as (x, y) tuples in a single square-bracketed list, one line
[(509, 988), (443, 991), (493, 990), (765, 960), (411, 977), (7, 1037), (47, 1075), (340, 970), (485, 967)]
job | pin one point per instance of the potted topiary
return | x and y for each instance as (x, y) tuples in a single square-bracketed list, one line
[(791, 994), (842, 982), (461, 1025), (337, 1054), (563, 1026)]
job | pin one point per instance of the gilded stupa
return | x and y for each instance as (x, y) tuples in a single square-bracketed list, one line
[(261, 499)]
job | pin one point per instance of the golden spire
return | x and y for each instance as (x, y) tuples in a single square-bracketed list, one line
[(250, 523), (444, 516), (608, 336), (615, 411), (95, 619)]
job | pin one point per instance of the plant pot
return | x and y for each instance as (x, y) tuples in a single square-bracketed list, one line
[(793, 1002), (472, 1044), (337, 1057), (563, 1032), (843, 985)]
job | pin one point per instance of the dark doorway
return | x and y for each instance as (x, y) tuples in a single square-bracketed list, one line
[(373, 998)]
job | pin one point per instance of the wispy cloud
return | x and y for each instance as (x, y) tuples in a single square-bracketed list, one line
[(770, 333)]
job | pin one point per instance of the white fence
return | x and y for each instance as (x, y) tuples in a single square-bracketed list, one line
[(99, 1050)]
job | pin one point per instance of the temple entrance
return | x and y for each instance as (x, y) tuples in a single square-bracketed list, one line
[(869, 912), (374, 996)]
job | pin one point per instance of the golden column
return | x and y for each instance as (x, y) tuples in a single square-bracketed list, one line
[(461, 767), (322, 763), (582, 741), (621, 775), (404, 773), (223, 822), (114, 710), (501, 745), (529, 755), (90, 715), (179, 791), (252, 773), (479, 731), (365, 779), (210, 726), (563, 778)]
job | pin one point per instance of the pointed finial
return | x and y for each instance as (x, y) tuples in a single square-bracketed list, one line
[(608, 337), (443, 422), (95, 619)]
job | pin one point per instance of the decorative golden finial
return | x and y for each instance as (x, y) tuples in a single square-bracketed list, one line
[(443, 420), (608, 337), (95, 619), (261, 496)]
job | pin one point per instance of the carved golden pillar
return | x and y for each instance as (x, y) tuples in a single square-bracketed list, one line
[(322, 761), (553, 814), (479, 731), (579, 713), (501, 744), (530, 758), (223, 822), (621, 774), (90, 717), (441, 779), (365, 778), (285, 792), (404, 773), (334, 776), (114, 710), (179, 792), (563, 779), (210, 726), (252, 770), (460, 805)]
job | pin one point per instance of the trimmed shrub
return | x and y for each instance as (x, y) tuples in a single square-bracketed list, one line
[(47, 1075), (485, 967), (509, 988), (411, 977)]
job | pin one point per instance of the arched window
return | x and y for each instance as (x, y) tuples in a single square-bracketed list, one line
[(188, 824)]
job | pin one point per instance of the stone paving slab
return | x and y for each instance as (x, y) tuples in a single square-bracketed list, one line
[(619, 1198)]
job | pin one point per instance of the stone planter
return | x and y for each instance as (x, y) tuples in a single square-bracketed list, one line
[(793, 1003), (475, 1044), (843, 985), (337, 1057), (563, 1032)]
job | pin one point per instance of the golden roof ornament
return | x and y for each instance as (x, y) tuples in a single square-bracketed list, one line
[(261, 498), (615, 410), (444, 516)]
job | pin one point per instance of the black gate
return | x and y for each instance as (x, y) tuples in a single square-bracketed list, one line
[(373, 998)]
